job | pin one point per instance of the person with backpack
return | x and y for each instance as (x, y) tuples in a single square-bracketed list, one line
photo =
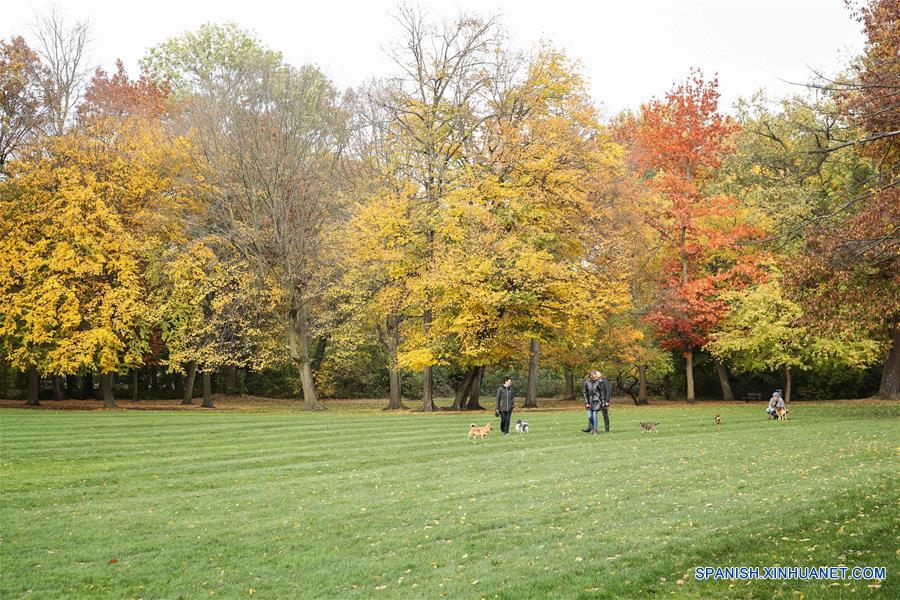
[(596, 392)]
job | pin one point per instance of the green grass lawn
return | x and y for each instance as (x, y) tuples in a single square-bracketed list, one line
[(141, 504)]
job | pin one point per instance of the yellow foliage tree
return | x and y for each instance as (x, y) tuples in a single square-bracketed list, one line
[(78, 218)]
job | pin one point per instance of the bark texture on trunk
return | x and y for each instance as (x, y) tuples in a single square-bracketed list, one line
[(298, 343), (34, 385), (134, 385), (727, 394), (106, 390), (395, 401), (890, 377), (689, 373), (189, 378), (570, 382), (427, 374), (475, 390), (642, 384), (787, 384), (531, 391), (207, 390), (59, 392), (87, 386), (231, 380), (463, 392)]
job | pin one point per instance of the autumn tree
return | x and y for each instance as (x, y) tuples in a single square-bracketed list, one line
[(764, 331), (80, 216), (522, 257), (211, 312), (849, 272), (252, 113), (71, 293), (21, 97), (678, 145), (434, 110)]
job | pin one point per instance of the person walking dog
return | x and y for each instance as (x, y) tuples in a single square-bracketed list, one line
[(596, 392), (505, 404)]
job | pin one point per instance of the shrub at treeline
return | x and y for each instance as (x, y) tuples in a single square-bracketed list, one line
[(231, 221)]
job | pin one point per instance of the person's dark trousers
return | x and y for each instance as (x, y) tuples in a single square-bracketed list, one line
[(605, 412), (504, 420)]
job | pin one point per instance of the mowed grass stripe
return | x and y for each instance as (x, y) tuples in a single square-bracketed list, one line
[(280, 463), (282, 529)]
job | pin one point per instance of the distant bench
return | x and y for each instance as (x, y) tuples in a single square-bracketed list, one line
[(752, 396)]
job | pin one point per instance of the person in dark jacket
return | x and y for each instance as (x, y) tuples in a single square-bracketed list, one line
[(596, 392), (505, 404)]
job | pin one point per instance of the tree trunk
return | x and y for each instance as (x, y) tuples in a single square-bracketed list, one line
[(395, 401), (890, 377), (475, 390), (463, 392), (207, 390), (570, 382), (87, 386), (59, 392), (231, 380), (531, 391), (189, 377), (727, 394), (177, 379), (71, 386), (642, 384), (153, 387), (298, 343), (689, 372), (34, 385), (427, 375), (106, 389), (787, 384), (134, 385)]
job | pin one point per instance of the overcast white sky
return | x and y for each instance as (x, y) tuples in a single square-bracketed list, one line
[(631, 50)]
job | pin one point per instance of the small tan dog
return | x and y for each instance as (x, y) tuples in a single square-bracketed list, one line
[(482, 432), (781, 413), (718, 420), (648, 426)]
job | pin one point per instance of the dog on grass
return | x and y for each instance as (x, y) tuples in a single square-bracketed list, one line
[(718, 420), (781, 413), (476, 431), (521, 426), (649, 426)]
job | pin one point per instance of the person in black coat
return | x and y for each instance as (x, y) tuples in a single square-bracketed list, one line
[(506, 401), (596, 392)]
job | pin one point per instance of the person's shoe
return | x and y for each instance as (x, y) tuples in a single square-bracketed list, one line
[(588, 430)]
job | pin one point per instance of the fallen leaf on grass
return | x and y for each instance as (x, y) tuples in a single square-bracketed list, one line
[(112, 561)]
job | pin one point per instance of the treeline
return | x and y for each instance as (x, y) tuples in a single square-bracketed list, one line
[(230, 221)]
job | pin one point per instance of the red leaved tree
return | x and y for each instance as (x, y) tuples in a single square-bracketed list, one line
[(677, 145)]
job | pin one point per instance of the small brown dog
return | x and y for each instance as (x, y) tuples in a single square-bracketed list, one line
[(781, 413), (475, 430), (649, 426), (718, 420)]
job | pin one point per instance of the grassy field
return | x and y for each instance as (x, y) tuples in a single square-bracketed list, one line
[(148, 504)]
